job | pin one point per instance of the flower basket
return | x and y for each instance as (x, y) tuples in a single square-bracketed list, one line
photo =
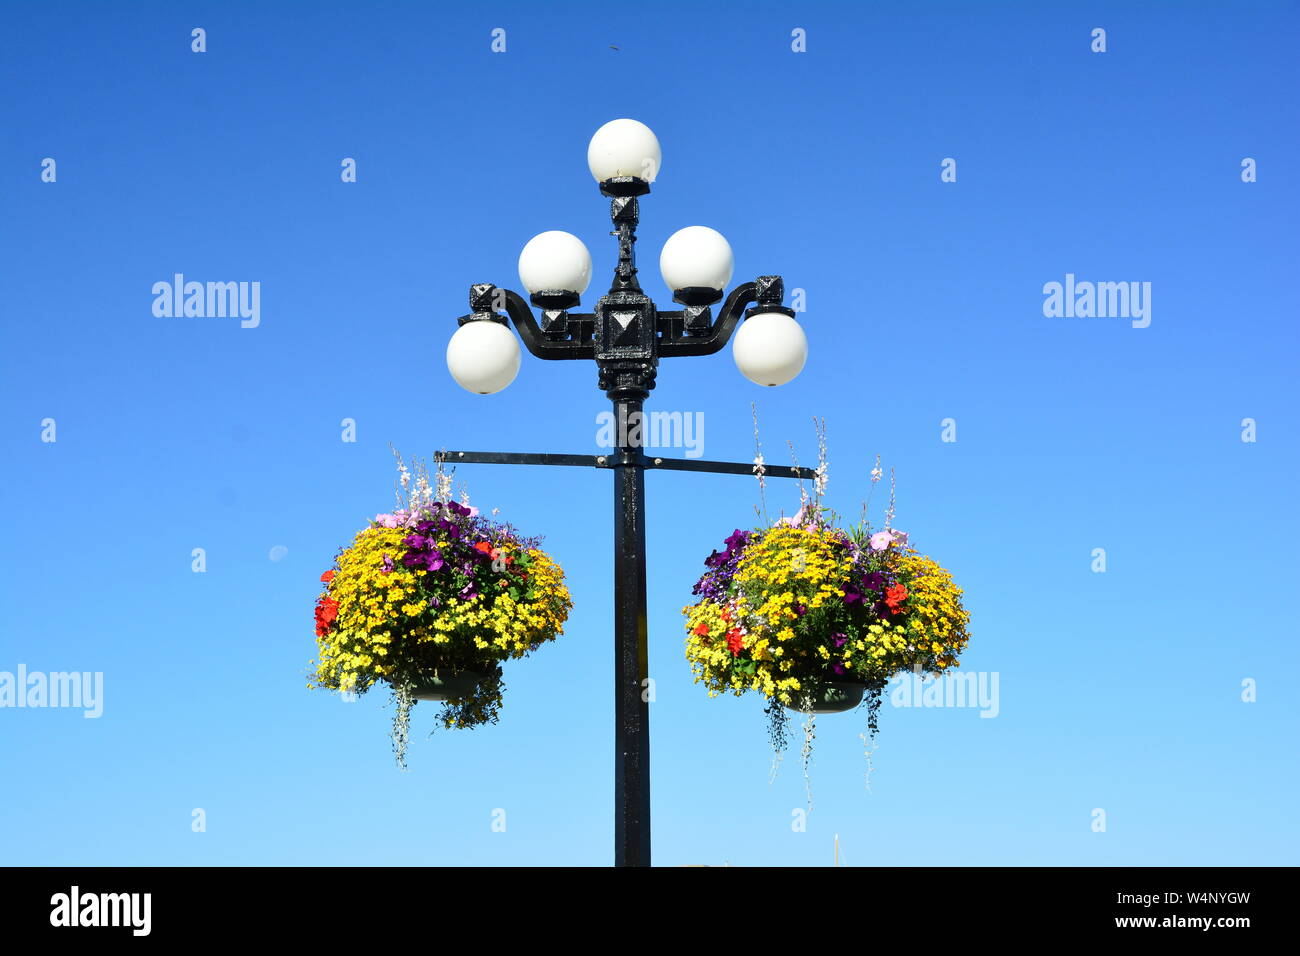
[(430, 600), (816, 618)]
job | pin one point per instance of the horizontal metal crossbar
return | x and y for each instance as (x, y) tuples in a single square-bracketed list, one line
[(730, 467), (620, 459)]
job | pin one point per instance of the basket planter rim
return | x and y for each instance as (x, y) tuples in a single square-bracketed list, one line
[(438, 682), (850, 690)]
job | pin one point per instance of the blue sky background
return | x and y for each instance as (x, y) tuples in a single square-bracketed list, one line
[(1119, 690)]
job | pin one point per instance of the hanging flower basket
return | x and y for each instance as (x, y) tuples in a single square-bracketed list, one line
[(816, 618), (430, 600)]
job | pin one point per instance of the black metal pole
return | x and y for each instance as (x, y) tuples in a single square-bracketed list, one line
[(631, 649)]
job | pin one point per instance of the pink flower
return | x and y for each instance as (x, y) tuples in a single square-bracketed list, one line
[(801, 517), (398, 519), (883, 539)]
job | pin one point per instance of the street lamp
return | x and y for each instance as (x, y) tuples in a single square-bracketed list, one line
[(627, 335)]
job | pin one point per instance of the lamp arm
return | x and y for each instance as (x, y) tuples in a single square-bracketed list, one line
[(719, 333), (535, 340)]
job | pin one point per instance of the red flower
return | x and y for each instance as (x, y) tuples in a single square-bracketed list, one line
[(327, 610), (483, 546), (702, 630), (895, 594), (734, 642), (328, 576)]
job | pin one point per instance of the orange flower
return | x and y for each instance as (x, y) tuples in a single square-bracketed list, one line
[(483, 546), (327, 577)]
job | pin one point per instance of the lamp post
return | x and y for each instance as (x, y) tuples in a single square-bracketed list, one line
[(627, 335)]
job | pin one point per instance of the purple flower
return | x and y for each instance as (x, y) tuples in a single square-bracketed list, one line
[(737, 541), (388, 563), (713, 584), (433, 559)]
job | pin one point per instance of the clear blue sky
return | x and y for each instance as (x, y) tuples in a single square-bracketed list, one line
[(1119, 690)]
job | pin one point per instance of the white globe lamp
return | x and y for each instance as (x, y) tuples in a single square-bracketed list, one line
[(624, 148), (697, 258), (555, 261), (770, 348), (483, 356)]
